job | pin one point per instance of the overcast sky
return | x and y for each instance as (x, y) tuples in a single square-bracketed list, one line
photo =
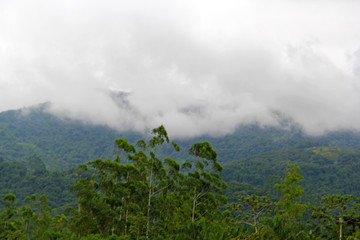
[(195, 66)]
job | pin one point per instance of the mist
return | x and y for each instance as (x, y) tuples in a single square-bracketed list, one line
[(203, 67)]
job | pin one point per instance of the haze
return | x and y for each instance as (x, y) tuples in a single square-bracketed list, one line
[(198, 67)]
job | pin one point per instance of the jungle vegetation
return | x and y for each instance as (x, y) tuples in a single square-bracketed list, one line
[(144, 194)]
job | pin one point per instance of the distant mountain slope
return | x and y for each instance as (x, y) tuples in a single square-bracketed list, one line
[(254, 157), (60, 144), (28, 177), (325, 169), (251, 140), (63, 144)]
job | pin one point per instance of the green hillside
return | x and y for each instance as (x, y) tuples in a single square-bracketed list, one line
[(25, 178), (61, 144), (156, 197), (64, 143), (326, 170), (153, 196), (253, 157)]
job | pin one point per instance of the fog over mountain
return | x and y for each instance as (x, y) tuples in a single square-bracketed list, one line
[(195, 66)]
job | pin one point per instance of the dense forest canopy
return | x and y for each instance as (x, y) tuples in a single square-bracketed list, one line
[(64, 143), (262, 183)]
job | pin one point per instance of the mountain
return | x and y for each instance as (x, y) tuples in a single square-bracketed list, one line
[(60, 143), (326, 170), (65, 143), (39, 152), (28, 177)]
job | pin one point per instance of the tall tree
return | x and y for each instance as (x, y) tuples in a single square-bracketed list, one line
[(251, 208), (289, 209), (204, 183), (338, 209), (8, 223), (119, 197)]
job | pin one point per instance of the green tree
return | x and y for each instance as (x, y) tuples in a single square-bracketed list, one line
[(42, 219), (338, 209), (204, 183), (148, 196), (127, 199), (251, 208), (156, 173), (8, 223), (289, 209)]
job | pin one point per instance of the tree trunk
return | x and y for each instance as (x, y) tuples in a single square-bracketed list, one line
[(148, 207), (194, 206), (126, 218), (255, 225), (341, 223)]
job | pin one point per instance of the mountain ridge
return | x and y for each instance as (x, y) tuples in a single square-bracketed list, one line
[(64, 143)]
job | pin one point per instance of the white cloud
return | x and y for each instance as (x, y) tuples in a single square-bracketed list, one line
[(196, 67)]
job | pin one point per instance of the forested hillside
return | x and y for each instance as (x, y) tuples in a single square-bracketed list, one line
[(64, 143), (28, 177), (60, 143), (63, 179), (325, 169), (154, 197)]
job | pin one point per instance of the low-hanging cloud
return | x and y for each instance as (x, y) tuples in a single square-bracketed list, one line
[(200, 67)]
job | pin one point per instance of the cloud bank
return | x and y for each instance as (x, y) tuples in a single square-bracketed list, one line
[(198, 67)]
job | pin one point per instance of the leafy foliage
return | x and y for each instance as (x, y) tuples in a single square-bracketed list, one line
[(152, 190), (63, 143), (31, 177), (150, 197), (60, 143), (325, 170)]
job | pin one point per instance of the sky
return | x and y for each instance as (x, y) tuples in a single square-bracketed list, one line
[(197, 67)]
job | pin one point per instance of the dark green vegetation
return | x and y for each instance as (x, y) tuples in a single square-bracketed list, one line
[(150, 190), (31, 177), (326, 170), (151, 198), (60, 143), (64, 143)]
